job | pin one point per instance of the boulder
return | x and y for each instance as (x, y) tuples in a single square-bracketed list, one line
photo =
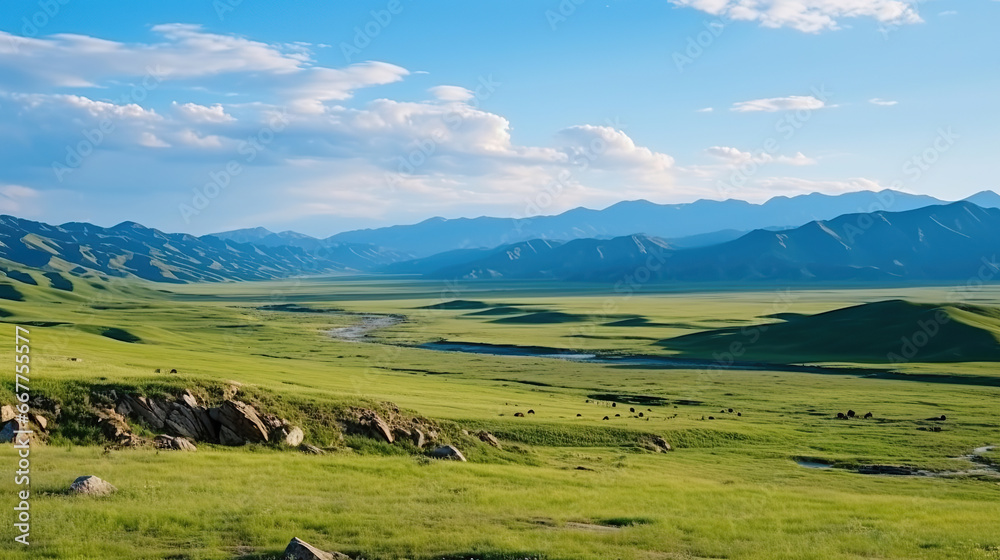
[(661, 444), (488, 438), (291, 436), (41, 421), (299, 549), (241, 420), (10, 429), (164, 441), (311, 449), (368, 423), (91, 486), (448, 452), (7, 413)]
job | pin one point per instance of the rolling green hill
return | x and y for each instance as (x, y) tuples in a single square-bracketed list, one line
[(881, 332)]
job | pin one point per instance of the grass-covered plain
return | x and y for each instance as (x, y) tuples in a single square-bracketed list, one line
[(732, 488)]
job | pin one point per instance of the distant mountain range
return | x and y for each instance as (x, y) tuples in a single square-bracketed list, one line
[(132, 250), (948, 242), (699, 223), (939, 242)]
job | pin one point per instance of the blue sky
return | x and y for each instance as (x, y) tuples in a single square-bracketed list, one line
[(322, 117)]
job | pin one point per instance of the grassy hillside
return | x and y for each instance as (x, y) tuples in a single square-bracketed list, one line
[(567, 484), (883, 332)]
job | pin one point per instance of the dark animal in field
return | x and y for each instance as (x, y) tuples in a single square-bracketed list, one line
[(730, 411), (739, 414), (531, 411), (649, 410), (711, 417), (579, 415), (632, 410), (618, 415), (173, 371), (723, 411), (157, 370), (640, 415), (943, 417), (850, 414), (606, 418), (519, 415), (614, 404), (841, 416), (868, 415)]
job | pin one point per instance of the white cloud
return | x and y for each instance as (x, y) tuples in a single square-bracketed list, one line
[(882, 102), (772, 104), (604, 147), (16, 198), (150, 140), (809, 16), (451, 93), (186, 52), (735, 157), (705, 110), (201, 114)]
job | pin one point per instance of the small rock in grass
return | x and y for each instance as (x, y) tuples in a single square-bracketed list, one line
[(448, 452), (299, 549), (92, 486)]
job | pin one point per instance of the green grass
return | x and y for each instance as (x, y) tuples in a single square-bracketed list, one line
[(567, 485)]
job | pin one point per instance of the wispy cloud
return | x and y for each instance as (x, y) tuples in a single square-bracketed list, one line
[(882, 102), (808, 16), (773, 104)]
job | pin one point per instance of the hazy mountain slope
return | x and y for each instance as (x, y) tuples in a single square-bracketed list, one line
[(132, 250), (954, 241), (885, 331), (667, 221), (350, 256)]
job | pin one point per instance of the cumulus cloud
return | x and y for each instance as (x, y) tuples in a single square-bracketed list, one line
[(773, 104), (202, 114), (808, 16), (451, 93), (184, 53)]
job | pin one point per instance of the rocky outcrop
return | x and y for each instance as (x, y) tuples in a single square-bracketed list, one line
[(298, 549), (91, 486), (659, 444), (115, 428), (7, 413), (239, 422)]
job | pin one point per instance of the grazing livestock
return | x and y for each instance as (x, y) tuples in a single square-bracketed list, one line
[(640, 415), (531, 411), (841, 416), (730, 411), (739, 414), (711, 417), (579, 415), (614, 404), (850, 414), (618, 415), (868, 415), (632, 410), (606, 418), (519, 415)]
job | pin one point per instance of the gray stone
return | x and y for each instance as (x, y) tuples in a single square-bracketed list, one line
[(92, 486), (448, 452), (298, 549), (488, 438), (174, 443)]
